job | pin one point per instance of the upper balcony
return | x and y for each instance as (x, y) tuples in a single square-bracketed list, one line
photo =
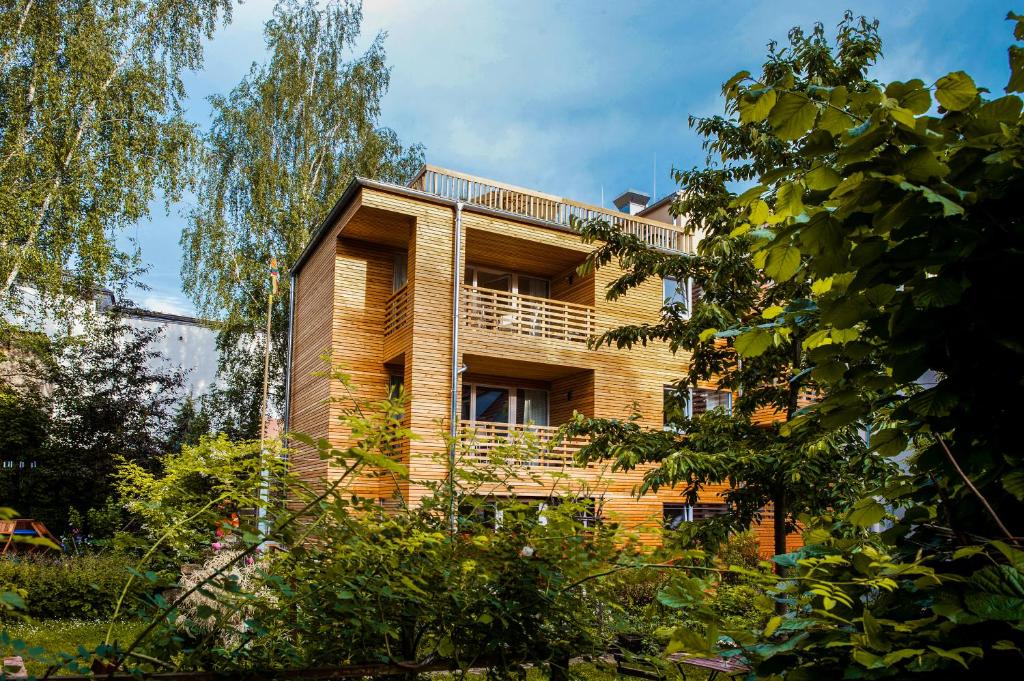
[(545, 207)]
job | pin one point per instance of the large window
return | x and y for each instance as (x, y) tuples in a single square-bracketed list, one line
[(675, 515), (502, 404), (693, 402), (509, 282), (680, 294), (496, 511)]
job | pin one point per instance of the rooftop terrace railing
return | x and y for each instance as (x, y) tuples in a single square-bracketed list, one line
[(539, 206)]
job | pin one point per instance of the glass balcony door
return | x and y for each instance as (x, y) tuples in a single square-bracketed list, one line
[(505, 405)]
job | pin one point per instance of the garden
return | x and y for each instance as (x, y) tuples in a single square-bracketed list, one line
[(859, 242)]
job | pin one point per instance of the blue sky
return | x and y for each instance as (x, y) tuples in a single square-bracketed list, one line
[(576, 97)]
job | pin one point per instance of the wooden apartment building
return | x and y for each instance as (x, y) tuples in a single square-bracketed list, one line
[(376, 288)]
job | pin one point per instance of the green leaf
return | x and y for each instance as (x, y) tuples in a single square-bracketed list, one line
[(707, 334), (822, 177), (792, 116), (866, 512), (937, 292), (755, 106), (1014, 484), (922, 164), (956, 91), (772, 312), (1016, 82), (948, 207), (753, 342), (772, 626), (759, 212), (782, 263), (888, 441), (790, 199)]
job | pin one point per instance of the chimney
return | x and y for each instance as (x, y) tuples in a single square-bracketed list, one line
[(632, 201)]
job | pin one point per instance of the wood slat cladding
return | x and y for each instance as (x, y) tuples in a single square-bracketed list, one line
[(343, 290)]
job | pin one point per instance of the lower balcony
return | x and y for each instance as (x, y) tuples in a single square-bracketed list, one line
[(538, 446)]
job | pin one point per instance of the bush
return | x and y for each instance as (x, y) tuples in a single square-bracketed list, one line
[(79, 587)]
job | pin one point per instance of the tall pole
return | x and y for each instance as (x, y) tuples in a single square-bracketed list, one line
[(261, 512)]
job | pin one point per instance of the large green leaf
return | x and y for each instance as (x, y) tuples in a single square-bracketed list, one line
[(792, 116), (782, 262), (790, 200), (753, 342), (866, 512), (756, 105), (956, 91)]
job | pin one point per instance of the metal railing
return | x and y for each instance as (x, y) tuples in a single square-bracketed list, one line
[(539, 446), (526, 315), (560, 211), (397, 311)]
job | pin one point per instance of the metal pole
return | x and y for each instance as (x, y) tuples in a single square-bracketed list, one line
[(456, 370), (261, 512)]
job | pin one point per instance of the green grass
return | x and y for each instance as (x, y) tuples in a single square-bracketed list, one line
[(65, 636)]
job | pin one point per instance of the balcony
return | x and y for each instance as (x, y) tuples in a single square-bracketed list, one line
[(484, 438), (525, 315), (397, 312), (545, 207)]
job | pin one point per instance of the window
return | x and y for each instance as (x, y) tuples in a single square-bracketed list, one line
[(400, 271), (692, 402), (509, 282), (493, 512), (396, 382), (675, 515), (684, 294), (499, 404)]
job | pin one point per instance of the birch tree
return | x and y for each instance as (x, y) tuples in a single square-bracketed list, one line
[(282, 147), (91, 126)]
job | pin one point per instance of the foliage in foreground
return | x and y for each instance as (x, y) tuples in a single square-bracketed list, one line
[(336, 580), (905, 220)]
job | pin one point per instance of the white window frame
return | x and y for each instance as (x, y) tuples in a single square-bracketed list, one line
[(513, 401), (687, 290), (474, 270), (688, 410), (688, 407)]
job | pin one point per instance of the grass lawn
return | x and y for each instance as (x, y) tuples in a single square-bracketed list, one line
[(65, 635)]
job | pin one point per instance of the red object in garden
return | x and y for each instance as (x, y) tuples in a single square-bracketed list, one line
[(13, 530)]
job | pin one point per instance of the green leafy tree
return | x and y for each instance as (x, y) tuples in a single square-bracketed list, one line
[(91, 127), (282, 148), (821, 468), (909, 228), (108, 399)]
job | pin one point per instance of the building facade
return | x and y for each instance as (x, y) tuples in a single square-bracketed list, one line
[(467, 291)]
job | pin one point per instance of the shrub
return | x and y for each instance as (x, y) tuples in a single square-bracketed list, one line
[(80, 587)]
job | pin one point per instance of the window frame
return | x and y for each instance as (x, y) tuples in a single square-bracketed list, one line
[(512, 275), (513, 402)]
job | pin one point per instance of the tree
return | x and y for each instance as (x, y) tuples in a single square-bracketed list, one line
[(282, 148), (908, 225), (107, 404), (91, 125), (817, 470)]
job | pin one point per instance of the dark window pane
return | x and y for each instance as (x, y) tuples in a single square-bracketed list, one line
[(492, 404)]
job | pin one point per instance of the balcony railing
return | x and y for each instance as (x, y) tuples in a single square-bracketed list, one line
[(560, 211), (485, 438), (397, 311), (526, 315)]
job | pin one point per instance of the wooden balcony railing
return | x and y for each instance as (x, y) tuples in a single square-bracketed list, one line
[(526, 315), (397, 311), (554, 209), (484, 438)]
